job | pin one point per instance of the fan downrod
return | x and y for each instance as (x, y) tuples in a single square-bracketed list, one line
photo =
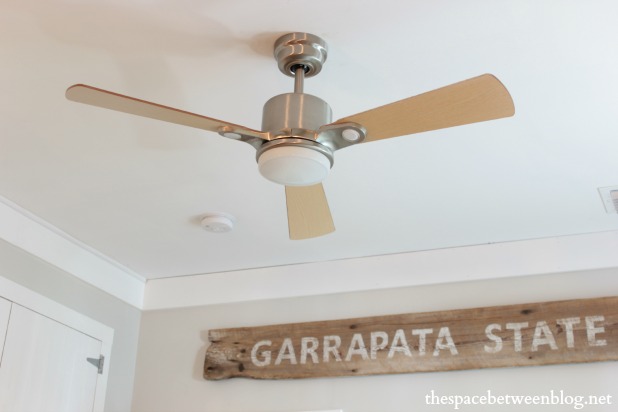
[(297, 115)]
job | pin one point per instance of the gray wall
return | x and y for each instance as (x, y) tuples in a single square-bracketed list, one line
[(173, 343), (49, 281)]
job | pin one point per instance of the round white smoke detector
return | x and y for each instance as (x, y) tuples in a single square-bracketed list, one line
[(294, 165), (218, 222)]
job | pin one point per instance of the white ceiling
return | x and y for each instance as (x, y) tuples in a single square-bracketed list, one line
[(134, 189)]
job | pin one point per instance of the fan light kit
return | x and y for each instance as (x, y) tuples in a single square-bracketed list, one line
[(294, 165), (296, 144)]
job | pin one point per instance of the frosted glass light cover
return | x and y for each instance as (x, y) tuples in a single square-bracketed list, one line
[(294, 166)]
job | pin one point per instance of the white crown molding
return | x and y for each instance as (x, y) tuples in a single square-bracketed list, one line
[(531, 257), (37, 237)]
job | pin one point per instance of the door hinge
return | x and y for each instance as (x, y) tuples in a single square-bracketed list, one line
[(98, 362)]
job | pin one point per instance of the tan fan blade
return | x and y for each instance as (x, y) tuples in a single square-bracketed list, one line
[(308, 212), (474, 100), (102, 98)]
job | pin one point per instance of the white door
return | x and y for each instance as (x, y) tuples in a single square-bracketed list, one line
[(44, 365)]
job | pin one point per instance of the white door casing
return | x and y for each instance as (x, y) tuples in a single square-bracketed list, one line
[(45, 366), (36, 361)]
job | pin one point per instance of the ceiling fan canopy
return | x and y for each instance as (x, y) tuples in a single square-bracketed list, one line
[(296, 144)]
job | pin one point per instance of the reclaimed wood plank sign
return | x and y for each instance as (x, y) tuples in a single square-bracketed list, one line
[(570, 331)]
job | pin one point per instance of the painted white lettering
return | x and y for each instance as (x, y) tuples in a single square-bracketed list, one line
[(377, 346), (286, 352), (444, 335), (399, 344), (489, 331), (516, 328), (331, 346), (308, 346), (265, 361), (357, 347), (422, 339), (567, 324), (592, 330), (543, 336)]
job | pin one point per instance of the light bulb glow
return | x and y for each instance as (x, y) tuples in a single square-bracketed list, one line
[(294, 166)]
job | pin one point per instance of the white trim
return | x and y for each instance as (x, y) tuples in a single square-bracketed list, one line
[(558, 254), (32, 234), (531, 257), (40, 304)]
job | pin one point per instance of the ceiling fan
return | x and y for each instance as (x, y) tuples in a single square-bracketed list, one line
[(298, 139)]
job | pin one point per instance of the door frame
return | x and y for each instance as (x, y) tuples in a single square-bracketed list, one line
[(23, 296)]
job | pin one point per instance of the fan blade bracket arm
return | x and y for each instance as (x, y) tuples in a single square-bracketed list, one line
[(341, 135), (254, 138), (296, 133)]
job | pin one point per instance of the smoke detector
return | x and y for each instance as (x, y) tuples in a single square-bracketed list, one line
[(218, 222)]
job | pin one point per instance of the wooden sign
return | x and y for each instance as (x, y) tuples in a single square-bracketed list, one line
[(517, 335)]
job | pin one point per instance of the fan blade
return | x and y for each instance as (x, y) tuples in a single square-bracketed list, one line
[(102, 98), (308, 212), (470, 101)]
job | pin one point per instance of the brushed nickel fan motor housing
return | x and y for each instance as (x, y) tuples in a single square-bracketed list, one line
[(292, 119), (295, 111), (301, 141)]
